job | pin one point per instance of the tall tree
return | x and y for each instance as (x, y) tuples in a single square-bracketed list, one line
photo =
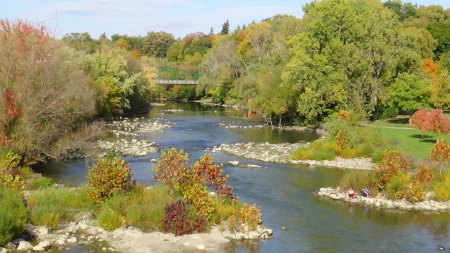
[(349, 54), (156, 44), (48, 84), (225, 28)]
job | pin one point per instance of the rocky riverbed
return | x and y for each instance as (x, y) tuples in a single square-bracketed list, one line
[(136, 129), (281, 153), (380, 201)]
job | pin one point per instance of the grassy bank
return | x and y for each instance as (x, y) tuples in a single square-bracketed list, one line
[(406, 138)]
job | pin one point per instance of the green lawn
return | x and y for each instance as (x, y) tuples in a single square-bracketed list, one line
[(408, 140)]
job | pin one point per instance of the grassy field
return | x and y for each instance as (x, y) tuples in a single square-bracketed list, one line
[(408, 140)]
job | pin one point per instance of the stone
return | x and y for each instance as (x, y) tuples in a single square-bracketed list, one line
[(253, 235), (234, 163), (83, 226), (200, 246), (18, 240), (226, 234), (268, 231), (239, 236), (3, 250), (44, 244), (72, 240), (60, 241), (41, 231), (10, 245), (24, 245)]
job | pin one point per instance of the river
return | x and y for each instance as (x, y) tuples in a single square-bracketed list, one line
[(285, 193)]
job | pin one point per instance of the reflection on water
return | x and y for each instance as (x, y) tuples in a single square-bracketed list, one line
[(285, 193)]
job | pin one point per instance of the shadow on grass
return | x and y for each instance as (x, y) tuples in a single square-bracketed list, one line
[(399, 121), (419, 136)]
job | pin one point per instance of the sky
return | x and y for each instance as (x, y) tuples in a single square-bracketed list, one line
[(138, 17)]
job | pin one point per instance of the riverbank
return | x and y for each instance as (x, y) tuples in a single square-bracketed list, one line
[(281, 153), (380, 201), (85, 233)]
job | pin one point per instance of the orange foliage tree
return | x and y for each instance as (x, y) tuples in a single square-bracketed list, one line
[(392, 162), (440, 154), (419, 120)]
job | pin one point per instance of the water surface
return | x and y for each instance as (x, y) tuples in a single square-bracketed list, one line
[(285, 193)]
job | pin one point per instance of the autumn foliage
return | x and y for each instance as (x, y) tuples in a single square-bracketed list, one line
[(433, 120), (173, 171), (392, 162), (108, 176), (44, 96), (12, 113)]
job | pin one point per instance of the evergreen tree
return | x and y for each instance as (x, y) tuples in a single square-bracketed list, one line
[(225, 28)]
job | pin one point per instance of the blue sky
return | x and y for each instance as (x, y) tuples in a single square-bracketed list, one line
[(137, 17)]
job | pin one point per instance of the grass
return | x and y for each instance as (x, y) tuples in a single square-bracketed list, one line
[(407, 139), (51, 205)]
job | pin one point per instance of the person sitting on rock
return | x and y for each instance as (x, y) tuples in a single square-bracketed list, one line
[(351, 193), (365, 192)]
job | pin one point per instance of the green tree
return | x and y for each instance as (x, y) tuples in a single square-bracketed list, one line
[(225, 28), (441, 32), (156, 44), (121, 80), (81, 41), (348, 54), (410, 92)]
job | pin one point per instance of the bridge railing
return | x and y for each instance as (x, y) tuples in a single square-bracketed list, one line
[(159, 81), (170, 73)]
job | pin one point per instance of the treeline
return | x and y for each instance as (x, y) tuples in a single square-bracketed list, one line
[(372, 58)]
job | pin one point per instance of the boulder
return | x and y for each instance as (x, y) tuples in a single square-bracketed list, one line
[(3, 250), (268, 231), (239, 236), (200, 246), (234, 163), (72, 240), (24, 245), (253, 235)]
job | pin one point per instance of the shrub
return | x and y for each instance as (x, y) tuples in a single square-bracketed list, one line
[(442, 188), (223, 210), (108, 176), (145, 208), (358, 179), (323, 154), (349, 152), (48, 215), (13, 214), (392, 162), (171, 169), (415, 192), (179, 220), (10, 170), (397, 187), (303, 153), (43, 182), (339, 130), (110, 219), (199, 197), (245, 215)]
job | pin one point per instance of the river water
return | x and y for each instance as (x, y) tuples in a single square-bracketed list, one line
[(285, 193)]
